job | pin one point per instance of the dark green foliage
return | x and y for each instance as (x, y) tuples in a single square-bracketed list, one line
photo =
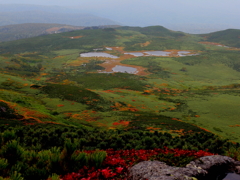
[(106, 81), (19, 152), (163, 122), (39, 137), (78, 94), (3, 166), (6, 112), (95, 159), (92, 65), (155, 68), (172, 160), (12, 151)]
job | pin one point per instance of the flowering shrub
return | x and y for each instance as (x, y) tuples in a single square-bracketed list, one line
[(117, 163)]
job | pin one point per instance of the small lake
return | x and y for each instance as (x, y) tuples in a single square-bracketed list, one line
[(183, 53), (135, 54), (157, 53), (97, 54), (124, 69)]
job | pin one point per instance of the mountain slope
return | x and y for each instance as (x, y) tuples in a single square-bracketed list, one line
[(229, 37), (21, 31), (154, 31)]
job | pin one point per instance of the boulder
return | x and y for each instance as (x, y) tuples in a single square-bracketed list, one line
[(207, 168)]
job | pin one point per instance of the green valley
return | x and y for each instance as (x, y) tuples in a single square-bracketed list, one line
[(184, 86)]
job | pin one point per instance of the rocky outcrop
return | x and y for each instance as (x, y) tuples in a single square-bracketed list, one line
[(207, 168)]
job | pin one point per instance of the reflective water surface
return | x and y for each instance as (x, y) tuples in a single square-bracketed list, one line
[(135, 53), (124, 69), (97, 54), (157, 53)]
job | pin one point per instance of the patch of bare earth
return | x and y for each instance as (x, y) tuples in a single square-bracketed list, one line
[(75, 37), (145, 44)]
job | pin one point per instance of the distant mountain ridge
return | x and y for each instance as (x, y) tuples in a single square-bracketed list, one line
[(7, 18), (19, 14), (27, 30)]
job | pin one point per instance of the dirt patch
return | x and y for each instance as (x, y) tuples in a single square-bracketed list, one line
[(52, 30), (75, 37), (211, 43), (145, 44)]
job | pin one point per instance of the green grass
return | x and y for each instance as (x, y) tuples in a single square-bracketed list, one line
[(146, 101)]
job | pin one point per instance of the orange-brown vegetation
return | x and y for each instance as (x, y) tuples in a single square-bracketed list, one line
[(175, 119), (210, 43), (120, 107), (236, 125), (44, 74), (60, 105), (121, 123), (86, 115), (67, 82)]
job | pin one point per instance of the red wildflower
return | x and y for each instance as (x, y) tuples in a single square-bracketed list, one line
[(119, 169)]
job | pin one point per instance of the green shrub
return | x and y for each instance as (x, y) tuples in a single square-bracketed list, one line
[(8, 136), (54, 177), (3, 166), (12, 151), (96, 158), (16, 176), (78, 160)]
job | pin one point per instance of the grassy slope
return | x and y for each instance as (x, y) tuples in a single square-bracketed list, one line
[(229, 37), (168, 95)]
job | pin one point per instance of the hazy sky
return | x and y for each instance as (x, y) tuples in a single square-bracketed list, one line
[(153, 12), (226, 5)]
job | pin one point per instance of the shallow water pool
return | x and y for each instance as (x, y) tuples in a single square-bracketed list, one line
[(97, 54), (124, 69)]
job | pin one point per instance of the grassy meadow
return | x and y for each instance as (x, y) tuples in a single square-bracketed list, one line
[(45, 82)]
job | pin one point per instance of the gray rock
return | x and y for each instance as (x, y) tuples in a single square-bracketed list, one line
[(206, 168), (237, 169)]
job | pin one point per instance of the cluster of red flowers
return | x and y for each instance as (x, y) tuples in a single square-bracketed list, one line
[(117, 163)]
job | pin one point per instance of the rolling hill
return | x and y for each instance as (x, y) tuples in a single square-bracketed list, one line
[(229, 37)]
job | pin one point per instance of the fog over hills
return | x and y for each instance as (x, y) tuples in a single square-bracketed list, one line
[(188, 16), (18, 14)]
